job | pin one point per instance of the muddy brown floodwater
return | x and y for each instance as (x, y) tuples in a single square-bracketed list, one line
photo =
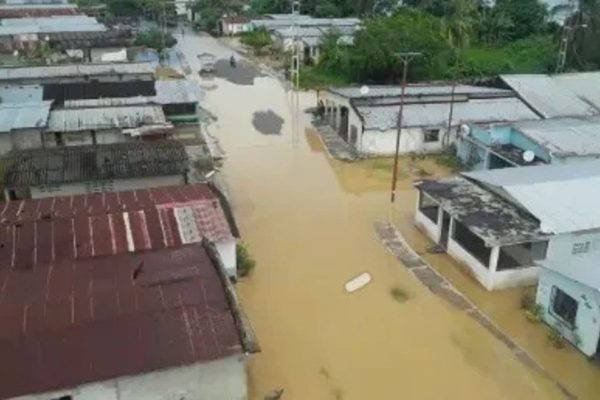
[(308, 222)]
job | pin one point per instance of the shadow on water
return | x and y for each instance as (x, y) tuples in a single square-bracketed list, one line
[(267, 122), (241, 74)]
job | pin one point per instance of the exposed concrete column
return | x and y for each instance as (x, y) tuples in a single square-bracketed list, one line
[(494, 256), (338, 117)]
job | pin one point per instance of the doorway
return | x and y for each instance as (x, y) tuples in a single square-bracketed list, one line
[(343, 128), (445, 230)]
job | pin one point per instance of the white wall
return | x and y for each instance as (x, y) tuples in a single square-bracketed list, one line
[(587, 321), (412, 140), (227, 252), (477, 269), (431, 229), (116, 185), (582, 266), (26, 139), (218, 380)]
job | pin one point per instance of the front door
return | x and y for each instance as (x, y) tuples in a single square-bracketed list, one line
[(445, 229)]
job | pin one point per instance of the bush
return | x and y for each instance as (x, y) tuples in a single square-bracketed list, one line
[(155, 39), (245, 262), (316, 77), (257, 39), (556, 338)]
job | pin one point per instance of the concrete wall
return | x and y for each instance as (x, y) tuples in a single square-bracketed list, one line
[(228, 253), (412, 140), (476, 268), (106, 136), (20, 140), (115, 185), (586, 332), (431, 229), (218, 380), (96, 54), (576, 256)]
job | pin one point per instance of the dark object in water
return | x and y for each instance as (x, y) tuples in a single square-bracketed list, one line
[(232, 62)]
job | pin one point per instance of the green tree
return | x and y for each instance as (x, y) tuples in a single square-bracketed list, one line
[(257, 39), (527, 17), (460, 21), (155, 39), (584, 52)]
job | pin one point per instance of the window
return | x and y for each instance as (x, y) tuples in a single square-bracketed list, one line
[(563, 306), (521, 255), (431, 135), (580, 248), (429, 207), (473, 244)]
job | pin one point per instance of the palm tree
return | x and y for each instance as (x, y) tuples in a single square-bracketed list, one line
[(459, 22)]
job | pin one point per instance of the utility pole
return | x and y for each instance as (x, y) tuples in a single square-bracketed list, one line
[(567, 34), (405, 58), (446, 137), (295, 67)]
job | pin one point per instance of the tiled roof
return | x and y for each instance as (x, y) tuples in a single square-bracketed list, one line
[(37, 232), (81, 321)]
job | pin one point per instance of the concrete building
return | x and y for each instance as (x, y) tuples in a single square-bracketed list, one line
[(8, 11), (550, 141), (285, 28), (74, 170), (104, 125), (558, 10), (84, 81), (367, 118), (234, 25), (21, 125), (496, 241), (158, 325), (24, 34)]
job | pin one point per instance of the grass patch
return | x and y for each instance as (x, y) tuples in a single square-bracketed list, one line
[(399, 294), (317, 78), (448, 160), (556, 338), (245, 262)]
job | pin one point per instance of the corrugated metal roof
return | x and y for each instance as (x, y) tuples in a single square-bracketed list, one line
[(69, 164), (21, 93), (68, 323), (36, 3), (58, 23), (548, 97), (24, 115), (564, 137), (73, 70), (35, 232), (585, 85), (305, 22), (83, 119), (177, 91), (436, 114), (354, 92), (564, 198)]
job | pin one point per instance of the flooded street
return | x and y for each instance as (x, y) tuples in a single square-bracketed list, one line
[(308, 221)]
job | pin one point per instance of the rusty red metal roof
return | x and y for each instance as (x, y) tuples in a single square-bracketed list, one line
[(80, 321), (37, 12), (37, 232)]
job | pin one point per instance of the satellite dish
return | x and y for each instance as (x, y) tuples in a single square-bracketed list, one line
[(528, 156), (364, 90)]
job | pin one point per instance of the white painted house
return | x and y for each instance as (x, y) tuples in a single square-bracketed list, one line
[(367, 117)]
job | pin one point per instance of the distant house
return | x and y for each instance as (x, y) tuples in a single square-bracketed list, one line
[(558, 10), (78, 227), (234, 25), (550, 141), (367, 117), (73, 170), (306, 32), (36, 10), (160, 324)]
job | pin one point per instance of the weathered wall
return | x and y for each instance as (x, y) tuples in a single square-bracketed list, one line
[(115, 185), (587, 323), (218, 380), (227, 252), (412, 140), (431, 229)]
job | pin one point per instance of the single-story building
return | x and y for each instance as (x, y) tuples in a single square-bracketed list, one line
[(309, 39), (8, 11), (497, 242), (550, 141), (367, 117), (97, 125), (21, 124), (63, 82), (72, 170), (234, 25), (126, 222), (160, 324)]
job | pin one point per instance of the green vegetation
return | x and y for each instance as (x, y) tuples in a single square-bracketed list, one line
[(245, 262), (155, 39), (258, 39), (399, 294), (556, 338), (313, 77), (534, 313), (448, 160), (210, 11), (133, 8)]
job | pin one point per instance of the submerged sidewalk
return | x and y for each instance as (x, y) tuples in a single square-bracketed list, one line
[(440, 286)]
